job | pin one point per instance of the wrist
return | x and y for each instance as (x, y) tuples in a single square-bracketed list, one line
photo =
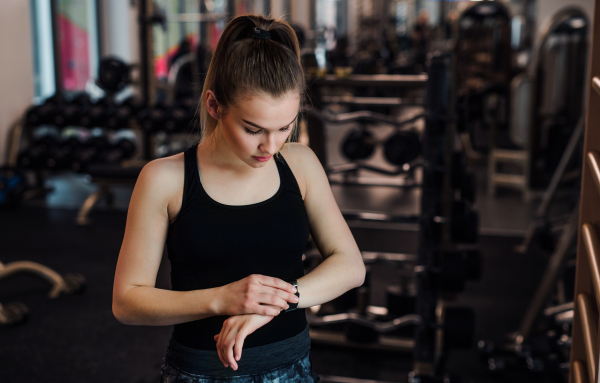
[(215, 301)]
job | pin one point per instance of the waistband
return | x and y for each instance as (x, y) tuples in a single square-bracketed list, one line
[(254, 360)]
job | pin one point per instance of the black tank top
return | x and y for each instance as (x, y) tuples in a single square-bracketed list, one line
[(210, 244)]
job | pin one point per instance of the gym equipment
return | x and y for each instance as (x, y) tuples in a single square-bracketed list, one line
[(546, 106), (75, 112), (125, 141), (152, 119), (12, 314), (44, 113), (17, 313), (12, 186), (457, 267), (359, 144), (113, 74), (558, 75), (402, 148), (445, 221), (459, 327), (96, 117), (44, 139), (464, 223), (519, 353), (70, 283), (482, 60), (537, 228)]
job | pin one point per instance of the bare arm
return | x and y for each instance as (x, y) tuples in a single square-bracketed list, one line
[(343, 267), (137, 301)]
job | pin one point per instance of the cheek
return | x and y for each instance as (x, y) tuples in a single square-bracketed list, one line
[(239, 139)]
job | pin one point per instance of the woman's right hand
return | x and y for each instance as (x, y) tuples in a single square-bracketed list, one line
[(255, 294)]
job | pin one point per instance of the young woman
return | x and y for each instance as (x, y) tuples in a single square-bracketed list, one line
[(235, 212)]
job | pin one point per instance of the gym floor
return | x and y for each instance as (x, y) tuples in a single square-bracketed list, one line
[(76, 338)]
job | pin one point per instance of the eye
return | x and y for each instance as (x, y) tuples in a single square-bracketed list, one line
[(286, 129), (252, 132)]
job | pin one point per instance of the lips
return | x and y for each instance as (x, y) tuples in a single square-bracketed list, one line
[(262, 159)]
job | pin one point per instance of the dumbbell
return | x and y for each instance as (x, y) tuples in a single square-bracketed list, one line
[(34, 156), (97, 115), (119, 116), (44, 113), (457, 267), (152, 119), (125, 141), (458, 324), (89, 153), (463, 180), (354, 331), (350, 299), (463, 110), (402, 147), (177, 119), (73, 111), (401, 300), (359, 144), (464, 223), (113, 74)]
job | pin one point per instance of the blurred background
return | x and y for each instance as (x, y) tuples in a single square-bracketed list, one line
[(456, 138)]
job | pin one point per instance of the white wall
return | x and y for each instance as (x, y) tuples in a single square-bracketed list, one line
[(119, 30), (16, 66)]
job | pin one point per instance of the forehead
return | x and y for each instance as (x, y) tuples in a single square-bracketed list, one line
[(267, 111)]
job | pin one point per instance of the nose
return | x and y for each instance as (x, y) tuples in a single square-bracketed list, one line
[(269, 145)]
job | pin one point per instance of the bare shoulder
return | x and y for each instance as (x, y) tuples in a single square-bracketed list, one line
[(162, 180), (164, 172), (303, 162)]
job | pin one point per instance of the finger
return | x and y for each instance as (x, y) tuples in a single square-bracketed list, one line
[(223, 346), (216, 337), (219, 349), (239, 343), (277, 283), (289, 297), (272, 300), (222, 337), (228, 351), (268, 310)]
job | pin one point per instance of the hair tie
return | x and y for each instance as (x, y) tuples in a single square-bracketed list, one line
[(261, 34)]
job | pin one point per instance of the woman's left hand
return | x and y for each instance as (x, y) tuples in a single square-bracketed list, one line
[(231, 338)]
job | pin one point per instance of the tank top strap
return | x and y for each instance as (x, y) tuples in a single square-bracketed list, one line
[(289, 179), (192, 178)]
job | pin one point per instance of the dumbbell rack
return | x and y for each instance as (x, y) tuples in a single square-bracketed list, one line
[(438, 236), (439, 268)]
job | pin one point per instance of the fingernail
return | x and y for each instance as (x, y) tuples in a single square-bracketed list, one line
[(294, 289), (296, 299), (288, 306)]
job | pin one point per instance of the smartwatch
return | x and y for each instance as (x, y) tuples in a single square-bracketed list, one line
[(293, 306)]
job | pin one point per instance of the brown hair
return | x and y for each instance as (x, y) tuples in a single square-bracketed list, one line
[(243, 65)]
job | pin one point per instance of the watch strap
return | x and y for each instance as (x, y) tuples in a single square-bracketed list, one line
[(293, 306)]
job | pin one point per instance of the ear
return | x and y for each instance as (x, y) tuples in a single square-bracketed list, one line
[(212, 105)]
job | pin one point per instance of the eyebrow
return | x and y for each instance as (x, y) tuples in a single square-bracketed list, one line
[(260, 127)]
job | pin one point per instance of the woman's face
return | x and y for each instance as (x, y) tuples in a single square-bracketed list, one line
[(258, 126)]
